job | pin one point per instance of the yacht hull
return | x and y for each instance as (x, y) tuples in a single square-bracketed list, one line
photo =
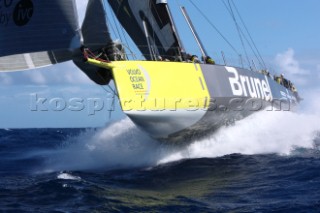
[(176, 101)]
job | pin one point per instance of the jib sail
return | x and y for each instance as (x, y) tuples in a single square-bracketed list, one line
[(94, 29), (95, 36)]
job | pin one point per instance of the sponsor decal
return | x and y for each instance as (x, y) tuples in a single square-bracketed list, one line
[(23, 12), (140, 80), (248, 86), (20, 13), (5, 15)]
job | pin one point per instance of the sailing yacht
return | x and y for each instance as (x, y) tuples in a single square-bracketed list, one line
[(174, 99)]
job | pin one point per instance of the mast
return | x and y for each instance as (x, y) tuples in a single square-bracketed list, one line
[(195, 34)]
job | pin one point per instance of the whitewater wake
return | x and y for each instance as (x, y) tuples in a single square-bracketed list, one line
[(122, 145)]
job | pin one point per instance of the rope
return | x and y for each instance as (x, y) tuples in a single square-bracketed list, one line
[(254, 51), (88, 54), (243, 23), (215, 28), (113, 100), (238, 29)]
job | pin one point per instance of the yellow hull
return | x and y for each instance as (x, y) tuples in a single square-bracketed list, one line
[(160, 86), (176, 101)]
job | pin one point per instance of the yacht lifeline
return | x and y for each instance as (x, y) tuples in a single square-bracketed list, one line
[(174, 99)]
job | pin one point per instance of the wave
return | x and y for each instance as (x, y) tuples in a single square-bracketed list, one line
[(67, 176), (122, 145), (260, 133)]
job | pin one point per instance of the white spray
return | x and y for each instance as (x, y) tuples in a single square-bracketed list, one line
[(123, 145)]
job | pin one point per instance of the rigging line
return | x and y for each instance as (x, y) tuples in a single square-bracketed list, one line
[(115, 24), (120, 26), (110, 24), (131, 52), (112, 107), (113, 99), (122, 30), (215, 28), (239, 32), (254, 52), (105, 89), (125, 39), (178, 4), (248, 42), (243, 23), (113, 90)]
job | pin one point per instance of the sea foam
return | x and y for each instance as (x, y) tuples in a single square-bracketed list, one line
[(122, 145)]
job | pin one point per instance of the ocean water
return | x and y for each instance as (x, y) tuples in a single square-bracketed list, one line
[(261, 164)]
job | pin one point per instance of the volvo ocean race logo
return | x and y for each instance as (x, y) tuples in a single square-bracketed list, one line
[(23, 12), (242, 85), (140, 80)]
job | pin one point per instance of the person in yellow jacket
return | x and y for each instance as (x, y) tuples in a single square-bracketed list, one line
[(209, 60)]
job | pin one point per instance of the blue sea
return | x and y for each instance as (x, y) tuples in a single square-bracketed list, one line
[(261, 164)]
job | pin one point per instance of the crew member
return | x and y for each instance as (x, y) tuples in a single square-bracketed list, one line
[(209, 60), (277, 79), (195, 59), (162, 59), (285, 82), (282, 80)]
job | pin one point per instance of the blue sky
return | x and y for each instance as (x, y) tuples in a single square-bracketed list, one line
[(286, 32)]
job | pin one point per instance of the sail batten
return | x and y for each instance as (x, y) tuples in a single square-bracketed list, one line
[(26, 61)]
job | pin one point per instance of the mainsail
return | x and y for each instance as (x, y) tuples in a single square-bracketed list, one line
[(36, 33), (149, 24)]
